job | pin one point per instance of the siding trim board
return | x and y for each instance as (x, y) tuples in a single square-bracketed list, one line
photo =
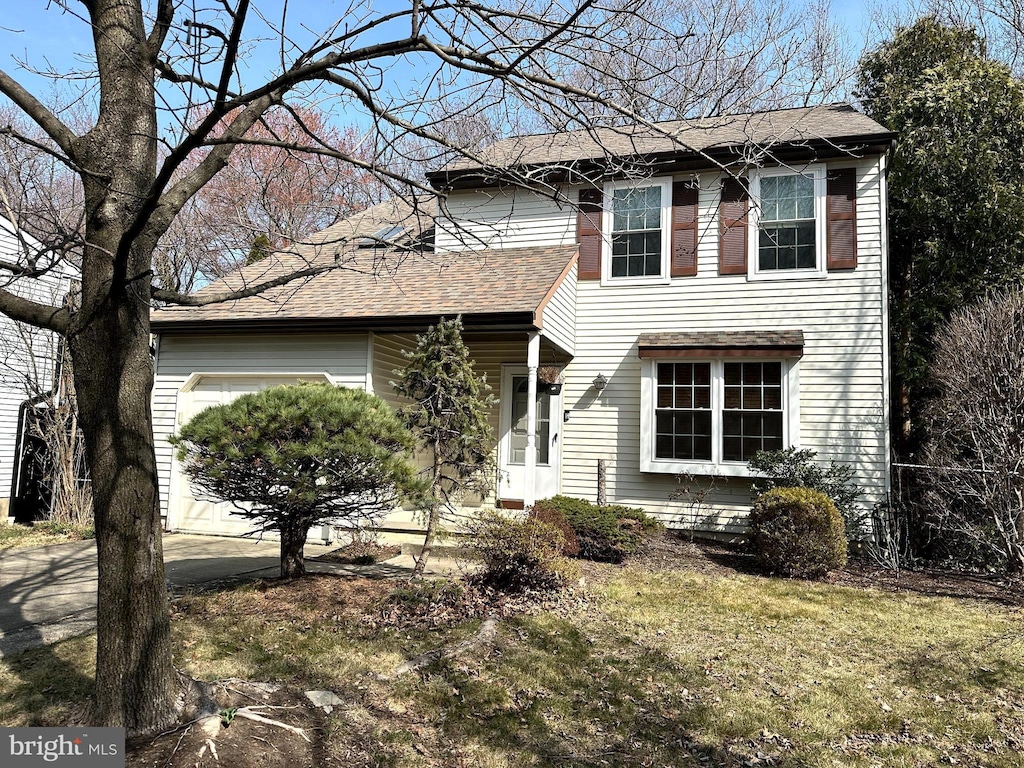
[(706, 352)]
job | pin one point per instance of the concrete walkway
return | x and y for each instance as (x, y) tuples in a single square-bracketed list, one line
[(49, 593)]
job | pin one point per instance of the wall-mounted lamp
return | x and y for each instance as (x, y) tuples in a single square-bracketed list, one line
[(600, 382)]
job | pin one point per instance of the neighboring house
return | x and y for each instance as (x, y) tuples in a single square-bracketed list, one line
[(702, 303), (28, 356)]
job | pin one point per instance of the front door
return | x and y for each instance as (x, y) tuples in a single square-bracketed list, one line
[(512, 447)]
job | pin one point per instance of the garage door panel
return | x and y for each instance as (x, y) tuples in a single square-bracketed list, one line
[(196, 514)]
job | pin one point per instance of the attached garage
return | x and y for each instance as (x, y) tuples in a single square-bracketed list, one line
[(197, 515), (195, 371)]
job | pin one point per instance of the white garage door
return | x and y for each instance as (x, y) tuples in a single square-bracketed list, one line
[(194, 513)]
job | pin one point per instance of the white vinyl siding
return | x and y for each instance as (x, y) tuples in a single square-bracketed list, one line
[(27, 354), (504, 219), (842, 386), (266, 357), (558, 318)]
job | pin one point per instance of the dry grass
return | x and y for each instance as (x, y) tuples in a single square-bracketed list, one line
[(42, 533), (672, 667)]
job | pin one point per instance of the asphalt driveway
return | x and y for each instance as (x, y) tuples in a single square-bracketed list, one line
[(49, 593)]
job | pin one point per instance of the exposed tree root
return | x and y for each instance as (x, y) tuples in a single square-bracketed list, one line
[(485, 636)]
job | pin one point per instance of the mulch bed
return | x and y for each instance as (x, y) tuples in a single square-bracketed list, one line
[(360, 553), (672, 550)]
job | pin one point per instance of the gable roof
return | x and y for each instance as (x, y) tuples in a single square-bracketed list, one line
[(828, 130), (386, 290)]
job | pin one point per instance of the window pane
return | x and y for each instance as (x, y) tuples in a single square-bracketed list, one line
[(664, 422), (702, 373), (751, 373), (731, 449), (773, 398), (751, 398), (664, 397), (732, 373), (702, 397), (665, 373), (619, 266), (733, 398), (663, 447)]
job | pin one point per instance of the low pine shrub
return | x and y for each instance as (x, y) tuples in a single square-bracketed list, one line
[(553, 516), (797, 532), (519, 554), (608, 533)]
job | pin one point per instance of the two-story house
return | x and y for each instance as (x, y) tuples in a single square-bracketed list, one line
[(704, 290)]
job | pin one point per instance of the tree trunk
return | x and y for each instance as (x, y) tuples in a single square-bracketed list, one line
[(136, 685), (293, 541), (433, 519)]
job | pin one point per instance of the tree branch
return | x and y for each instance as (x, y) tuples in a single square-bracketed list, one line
[(173, 297), (43, 117), (161, 26), (34, 313)]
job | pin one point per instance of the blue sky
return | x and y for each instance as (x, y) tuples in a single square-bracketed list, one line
[(41, 34)]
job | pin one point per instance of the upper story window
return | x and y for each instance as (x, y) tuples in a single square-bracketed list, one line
[(637, 233), (788, 223)]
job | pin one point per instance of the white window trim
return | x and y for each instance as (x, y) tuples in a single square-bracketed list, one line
[(648, 404), (818, 173), (665, 277)]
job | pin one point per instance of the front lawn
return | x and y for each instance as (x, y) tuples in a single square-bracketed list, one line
[(664, 665), (43, 532)]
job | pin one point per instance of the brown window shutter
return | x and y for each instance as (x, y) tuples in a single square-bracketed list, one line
[(841, 213), (588, 229), (684, 229), (732, 214)]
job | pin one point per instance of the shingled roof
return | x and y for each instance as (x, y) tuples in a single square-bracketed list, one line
[(721, 343), (837, 127), (385, 289)]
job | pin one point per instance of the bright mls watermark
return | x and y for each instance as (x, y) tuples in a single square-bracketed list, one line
[(79, 747)]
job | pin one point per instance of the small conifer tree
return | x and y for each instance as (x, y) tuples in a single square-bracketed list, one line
[(296, 456), (448, 413)]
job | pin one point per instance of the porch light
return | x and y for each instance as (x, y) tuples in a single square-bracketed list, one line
[(600, 382)]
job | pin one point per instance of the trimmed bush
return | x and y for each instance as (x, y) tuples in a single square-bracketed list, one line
[(797, 532), (554, 517), (608, 533), (792, 468), (519, 553)]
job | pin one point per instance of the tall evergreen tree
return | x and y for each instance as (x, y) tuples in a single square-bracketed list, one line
[(448, 413), (956, 190)]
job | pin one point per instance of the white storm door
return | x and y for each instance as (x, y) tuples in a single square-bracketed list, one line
[(512, 444)]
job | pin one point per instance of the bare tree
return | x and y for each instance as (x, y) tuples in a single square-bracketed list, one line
[(269, 190), (170, 103), (975, 455)]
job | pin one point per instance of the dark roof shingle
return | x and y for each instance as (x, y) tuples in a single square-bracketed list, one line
[(834, 123)]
